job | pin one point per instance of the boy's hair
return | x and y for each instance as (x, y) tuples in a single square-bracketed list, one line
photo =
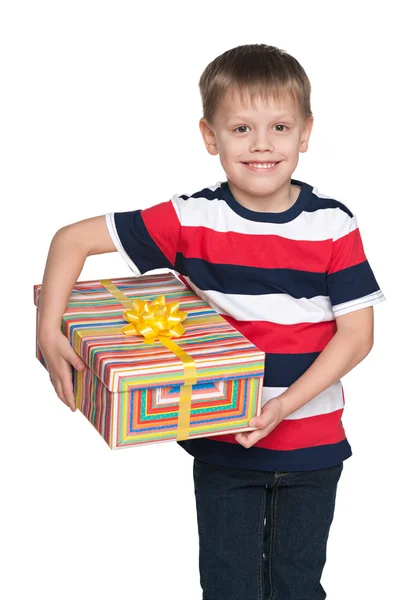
[(253, 70)]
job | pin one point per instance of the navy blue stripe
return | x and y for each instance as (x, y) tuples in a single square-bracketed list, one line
[(348, 284), (351, 283), (254, 458), (206, 193), (138, 243), (281, 370), (252, 281), (269, 217), (316, 203)]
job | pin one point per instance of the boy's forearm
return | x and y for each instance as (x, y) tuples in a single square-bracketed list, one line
[(344, 351), (64, 264)]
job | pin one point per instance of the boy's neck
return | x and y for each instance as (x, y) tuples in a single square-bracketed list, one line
[(279, 201)]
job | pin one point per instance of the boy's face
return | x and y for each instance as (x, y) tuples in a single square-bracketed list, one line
[(265, 132)]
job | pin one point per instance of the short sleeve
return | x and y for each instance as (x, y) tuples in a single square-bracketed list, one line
[(147, 239), (351, 282)]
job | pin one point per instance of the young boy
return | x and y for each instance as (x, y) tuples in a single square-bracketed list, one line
[(285, 265)]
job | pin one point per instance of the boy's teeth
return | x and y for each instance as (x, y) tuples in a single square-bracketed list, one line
[(262, 165)]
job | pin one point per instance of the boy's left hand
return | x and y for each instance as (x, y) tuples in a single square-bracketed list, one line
[(271, 416)]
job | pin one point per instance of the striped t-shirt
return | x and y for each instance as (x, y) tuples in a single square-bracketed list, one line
[(280, 279)]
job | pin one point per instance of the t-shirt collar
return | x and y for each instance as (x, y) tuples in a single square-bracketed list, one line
[(270, 217)]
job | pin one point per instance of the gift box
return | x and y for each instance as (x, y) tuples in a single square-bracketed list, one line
[(161, 364)]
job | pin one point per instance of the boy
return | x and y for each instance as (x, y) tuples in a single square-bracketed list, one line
[(286, 266)]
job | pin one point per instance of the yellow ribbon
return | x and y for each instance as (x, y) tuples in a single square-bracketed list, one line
[(154, 319), (162, 320)]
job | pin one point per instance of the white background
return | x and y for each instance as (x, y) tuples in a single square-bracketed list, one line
[(99, 112)]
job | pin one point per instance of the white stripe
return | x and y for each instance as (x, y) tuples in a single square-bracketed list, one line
[(321, 195), (344, 224), (277, 308), (217, 215), (358, 303), (117, 243), (326, 402)]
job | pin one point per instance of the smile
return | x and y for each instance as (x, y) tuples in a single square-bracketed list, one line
[(265, 166)]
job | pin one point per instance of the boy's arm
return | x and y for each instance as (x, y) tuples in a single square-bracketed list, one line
[(146, 238), (351, 343), (67, 254)]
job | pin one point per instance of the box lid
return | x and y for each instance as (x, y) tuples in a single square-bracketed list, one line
[(125, 362)]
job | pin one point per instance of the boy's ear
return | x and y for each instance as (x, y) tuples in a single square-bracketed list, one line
[(208, 136), (305, 136)]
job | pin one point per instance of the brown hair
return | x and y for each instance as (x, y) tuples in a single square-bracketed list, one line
[(253, 70)]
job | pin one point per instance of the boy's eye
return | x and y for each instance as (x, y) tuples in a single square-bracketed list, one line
[(244, 126)]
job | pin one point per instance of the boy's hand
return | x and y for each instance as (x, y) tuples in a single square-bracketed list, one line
[(271, 416), (59, 356)]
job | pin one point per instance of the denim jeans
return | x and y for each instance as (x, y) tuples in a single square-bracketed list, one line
[(263, 534)]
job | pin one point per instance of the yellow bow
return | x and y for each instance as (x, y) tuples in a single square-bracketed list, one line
[(154, 319)]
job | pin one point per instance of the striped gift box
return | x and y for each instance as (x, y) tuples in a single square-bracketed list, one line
[(131, 390)]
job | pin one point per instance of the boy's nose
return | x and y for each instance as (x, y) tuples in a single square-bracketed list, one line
[(261, 143)]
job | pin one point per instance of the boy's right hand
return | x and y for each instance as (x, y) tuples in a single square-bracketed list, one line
[(59, 356)]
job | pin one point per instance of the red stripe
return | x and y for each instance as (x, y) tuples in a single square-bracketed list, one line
[(286, 339), (264, 251), (294, 434), (166, 238), (347, 252)]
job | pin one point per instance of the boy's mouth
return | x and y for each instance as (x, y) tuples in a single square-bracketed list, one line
[(262, 166)]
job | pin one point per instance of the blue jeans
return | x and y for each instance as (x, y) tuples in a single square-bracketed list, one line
[(263, 534)]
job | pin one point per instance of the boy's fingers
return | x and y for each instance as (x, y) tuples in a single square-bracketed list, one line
[(251, 438), (258, 422), (75, 360), (67, 388), (59, 391), (64, 389), (254, 437)]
